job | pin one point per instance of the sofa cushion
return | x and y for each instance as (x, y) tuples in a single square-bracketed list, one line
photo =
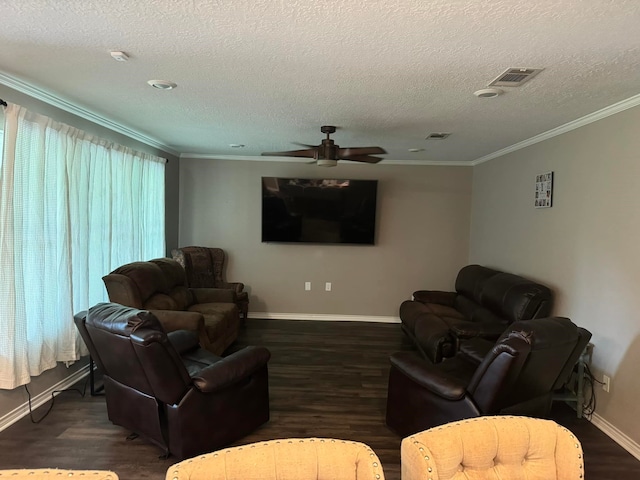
[(147, 277), (470, 280), (515, 298), (175, 282), (161, 301)]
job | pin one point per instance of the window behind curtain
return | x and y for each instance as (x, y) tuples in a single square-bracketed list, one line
[(73, 207)]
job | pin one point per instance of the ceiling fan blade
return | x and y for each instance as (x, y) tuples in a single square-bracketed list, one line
[(308, 153), (362, 158), (349, 152), (305, 145)]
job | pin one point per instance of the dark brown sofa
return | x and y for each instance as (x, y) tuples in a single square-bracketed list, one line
[(160, 286), (484, 304)]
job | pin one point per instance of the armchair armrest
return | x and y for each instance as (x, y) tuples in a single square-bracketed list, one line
[(231, 369), (213, 295), (237, 287), (435, 296), (428, 376)]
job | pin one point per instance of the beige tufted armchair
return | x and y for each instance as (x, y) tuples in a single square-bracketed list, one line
[(286, 459), (54, 473), (492, 448)]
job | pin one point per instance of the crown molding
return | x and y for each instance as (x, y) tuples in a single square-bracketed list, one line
[(62, 104), (567, 127), (260, 158)]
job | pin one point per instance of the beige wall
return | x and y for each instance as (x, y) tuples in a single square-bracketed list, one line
[(585, 247), (422, 236), (11, 399)]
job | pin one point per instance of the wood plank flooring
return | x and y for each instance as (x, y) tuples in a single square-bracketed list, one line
[(327, 379)]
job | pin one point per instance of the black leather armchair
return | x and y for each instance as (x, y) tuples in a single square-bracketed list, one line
[(517, 375), (177, 395)]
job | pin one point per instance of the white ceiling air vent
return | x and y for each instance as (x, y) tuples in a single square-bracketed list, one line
[(514, 77), (437, 136)]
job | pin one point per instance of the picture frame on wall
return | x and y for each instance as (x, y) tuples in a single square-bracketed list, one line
[(544, 190)]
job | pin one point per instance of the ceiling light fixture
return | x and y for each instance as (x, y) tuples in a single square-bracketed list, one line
[(236, 145), (119, 56), (438, 136), (414, 150), (162, 84), (488, 93)]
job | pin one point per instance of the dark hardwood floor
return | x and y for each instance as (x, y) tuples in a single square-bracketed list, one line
[(327, 379)]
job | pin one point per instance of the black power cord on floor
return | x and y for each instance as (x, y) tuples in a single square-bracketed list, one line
[(589, 406), (53, 397)]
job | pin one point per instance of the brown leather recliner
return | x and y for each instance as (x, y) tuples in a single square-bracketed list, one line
[(517, 376), (170, 391), (205, 269)]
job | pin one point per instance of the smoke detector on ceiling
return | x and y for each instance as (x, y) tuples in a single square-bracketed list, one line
[(514, 77)]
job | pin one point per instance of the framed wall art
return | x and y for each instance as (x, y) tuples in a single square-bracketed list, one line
[(544, 190)]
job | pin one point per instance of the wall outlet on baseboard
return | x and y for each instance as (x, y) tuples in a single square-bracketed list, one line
[(327, 286), (606, 382), (307, 286)]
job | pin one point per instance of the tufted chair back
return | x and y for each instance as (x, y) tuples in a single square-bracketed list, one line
[(286, 459), (204, 267), (493, 448)]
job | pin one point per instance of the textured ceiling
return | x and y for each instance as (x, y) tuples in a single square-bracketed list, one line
[(267, 73)]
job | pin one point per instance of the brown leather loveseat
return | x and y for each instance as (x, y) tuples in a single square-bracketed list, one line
[(160, 286), (485, 303)]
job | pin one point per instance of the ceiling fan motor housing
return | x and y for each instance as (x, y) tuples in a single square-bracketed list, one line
[(325, 162)]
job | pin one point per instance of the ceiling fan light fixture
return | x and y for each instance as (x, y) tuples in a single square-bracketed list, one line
[(325, 162)]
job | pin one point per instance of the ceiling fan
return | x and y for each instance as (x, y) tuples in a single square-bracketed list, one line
[(328, 153)]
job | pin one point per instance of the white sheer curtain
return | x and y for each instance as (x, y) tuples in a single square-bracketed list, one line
[(72, 208)]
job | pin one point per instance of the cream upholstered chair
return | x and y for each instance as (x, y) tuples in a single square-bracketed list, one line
[(285, 459), (54, 473), (492, 448)]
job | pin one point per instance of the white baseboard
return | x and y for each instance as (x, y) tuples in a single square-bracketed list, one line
[(616, 435), (324, 317), (23, 410)]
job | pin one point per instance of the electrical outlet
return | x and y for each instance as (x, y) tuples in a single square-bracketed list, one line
[(327, 286), (307, 286), (606, 383)]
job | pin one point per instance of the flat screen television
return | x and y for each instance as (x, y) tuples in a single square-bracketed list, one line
[(302, 210)]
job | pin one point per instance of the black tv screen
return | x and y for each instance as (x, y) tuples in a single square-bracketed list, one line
[(318, 210)]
